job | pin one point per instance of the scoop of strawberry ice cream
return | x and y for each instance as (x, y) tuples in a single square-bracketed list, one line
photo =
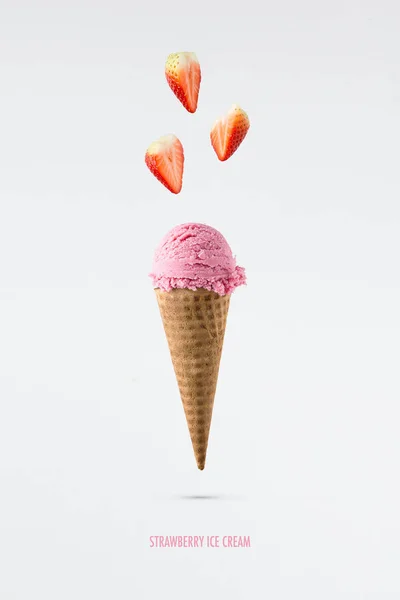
[(195, 256)]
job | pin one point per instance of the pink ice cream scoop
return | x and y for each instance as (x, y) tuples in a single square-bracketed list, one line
[(195, 256)]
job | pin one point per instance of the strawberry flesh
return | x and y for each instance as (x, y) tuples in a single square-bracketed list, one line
[(229, 132), (183, 74), (165, 159)]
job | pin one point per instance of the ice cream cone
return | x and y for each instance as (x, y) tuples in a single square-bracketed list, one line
[(194, 323), (194, 274)]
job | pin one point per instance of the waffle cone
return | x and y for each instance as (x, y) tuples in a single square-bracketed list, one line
[(194, 323)]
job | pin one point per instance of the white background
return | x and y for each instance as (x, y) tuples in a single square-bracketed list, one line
[(304, 449)]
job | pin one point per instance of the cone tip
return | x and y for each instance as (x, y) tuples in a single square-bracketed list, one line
[(201, 462)]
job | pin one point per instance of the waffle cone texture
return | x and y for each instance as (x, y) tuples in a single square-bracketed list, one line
[(194, 323)]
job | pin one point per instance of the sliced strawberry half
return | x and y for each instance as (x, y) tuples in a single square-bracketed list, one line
[(183, 74), (229, 132), (165, 160)]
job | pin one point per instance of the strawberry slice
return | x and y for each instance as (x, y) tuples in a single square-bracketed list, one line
[(183, 74), (165, 159), (229, 132)]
